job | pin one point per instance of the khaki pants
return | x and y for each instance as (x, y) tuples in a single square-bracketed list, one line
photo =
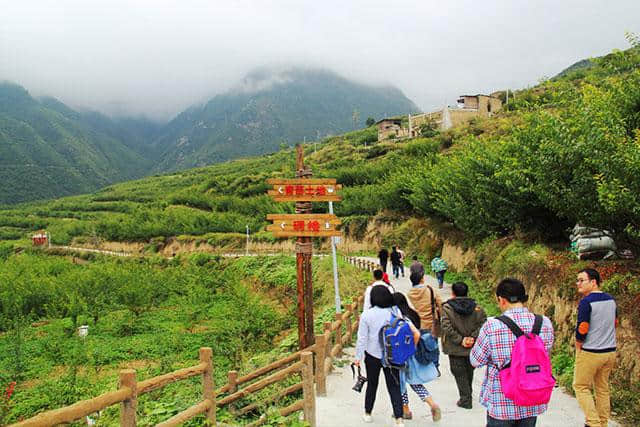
[(592, 370)]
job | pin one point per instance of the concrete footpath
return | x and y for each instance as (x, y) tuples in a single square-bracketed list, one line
[(344, 407)]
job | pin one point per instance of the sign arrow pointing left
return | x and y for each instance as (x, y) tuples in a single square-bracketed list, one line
[(282, 225), (280, 190)]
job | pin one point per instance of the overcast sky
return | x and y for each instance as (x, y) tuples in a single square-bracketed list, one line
[(158, 57)]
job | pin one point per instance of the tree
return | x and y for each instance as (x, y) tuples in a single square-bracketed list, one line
[(428, 129), (355, 116), (370, 121)]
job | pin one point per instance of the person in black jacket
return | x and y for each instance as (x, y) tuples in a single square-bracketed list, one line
[(396, 261), (383, 255), (462, 319)]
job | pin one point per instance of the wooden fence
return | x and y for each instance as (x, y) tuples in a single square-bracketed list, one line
[(328, 346), (361, 263)]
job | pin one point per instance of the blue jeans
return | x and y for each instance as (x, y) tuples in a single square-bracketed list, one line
[(397, 269), (525, 422), (440, 277)]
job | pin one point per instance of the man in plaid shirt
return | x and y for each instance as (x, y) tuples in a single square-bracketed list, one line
[(493, 349)]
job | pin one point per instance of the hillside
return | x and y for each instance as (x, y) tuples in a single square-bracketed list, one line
[(48, 150), (271, 108)]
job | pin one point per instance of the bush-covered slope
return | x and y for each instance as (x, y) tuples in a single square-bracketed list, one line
[(149, 314), (48, 150)]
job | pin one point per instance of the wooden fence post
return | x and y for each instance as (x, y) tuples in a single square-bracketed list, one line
[(208, 392), (321, 353), (339, 333), (232, 379), (128, 407), (349, 321), (329, 360), (308, 394)]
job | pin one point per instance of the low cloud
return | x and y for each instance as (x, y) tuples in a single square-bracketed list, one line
[(158, 57)]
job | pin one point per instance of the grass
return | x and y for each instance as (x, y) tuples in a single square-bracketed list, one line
[(53, 367)]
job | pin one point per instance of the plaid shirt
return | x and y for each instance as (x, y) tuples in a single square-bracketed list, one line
[(493, 349)]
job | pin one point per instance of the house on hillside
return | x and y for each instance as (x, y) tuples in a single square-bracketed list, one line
[(468, 107), (483, 104), (391, 129)]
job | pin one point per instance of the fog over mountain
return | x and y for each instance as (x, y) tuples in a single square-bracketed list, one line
[(157, 58), (271, 107)]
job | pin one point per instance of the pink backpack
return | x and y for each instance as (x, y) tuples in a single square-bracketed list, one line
[(527, 378)]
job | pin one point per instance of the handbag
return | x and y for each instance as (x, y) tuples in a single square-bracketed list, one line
[(436, 326)]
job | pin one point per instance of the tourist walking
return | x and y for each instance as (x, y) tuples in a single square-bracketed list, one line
[(461, 322), (427, 303), (595, 348), (377, 280), (383, 256), (396, 262), (369, 349), (402, 258), (493, 349), (416, 374), (416, 266), (439, 266)]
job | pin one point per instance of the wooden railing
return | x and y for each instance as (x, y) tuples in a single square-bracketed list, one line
[(361, 263), (328, 346), (127, 395), (129, 390)]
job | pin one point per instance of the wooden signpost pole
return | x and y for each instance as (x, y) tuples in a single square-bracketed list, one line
[(304, 250), (304, 225)]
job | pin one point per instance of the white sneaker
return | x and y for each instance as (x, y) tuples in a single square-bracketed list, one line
[(367, 418), (399, 422)]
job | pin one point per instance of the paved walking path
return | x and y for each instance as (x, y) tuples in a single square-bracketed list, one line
[(344, 407)]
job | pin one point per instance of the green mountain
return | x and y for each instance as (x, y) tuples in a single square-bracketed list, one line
[(271, 108), (49, 150)]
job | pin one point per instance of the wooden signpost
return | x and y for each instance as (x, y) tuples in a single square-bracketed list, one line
[(304, 225), (304, 190)]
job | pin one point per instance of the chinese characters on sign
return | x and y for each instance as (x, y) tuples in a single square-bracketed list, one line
[(304, 190), (304, 225), (301, 190)]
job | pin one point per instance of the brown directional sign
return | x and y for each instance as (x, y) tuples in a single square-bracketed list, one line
[(304, 225), (304, 190)]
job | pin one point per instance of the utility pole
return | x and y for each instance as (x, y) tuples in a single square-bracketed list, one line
[(246, 252), (336, 288)]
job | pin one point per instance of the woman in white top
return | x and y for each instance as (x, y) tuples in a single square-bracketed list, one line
[(369, 349)]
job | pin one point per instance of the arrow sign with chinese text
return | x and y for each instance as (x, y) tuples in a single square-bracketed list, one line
[(304, 190), (304, 225)]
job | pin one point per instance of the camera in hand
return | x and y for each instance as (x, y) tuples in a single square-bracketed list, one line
[(360, 381)]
